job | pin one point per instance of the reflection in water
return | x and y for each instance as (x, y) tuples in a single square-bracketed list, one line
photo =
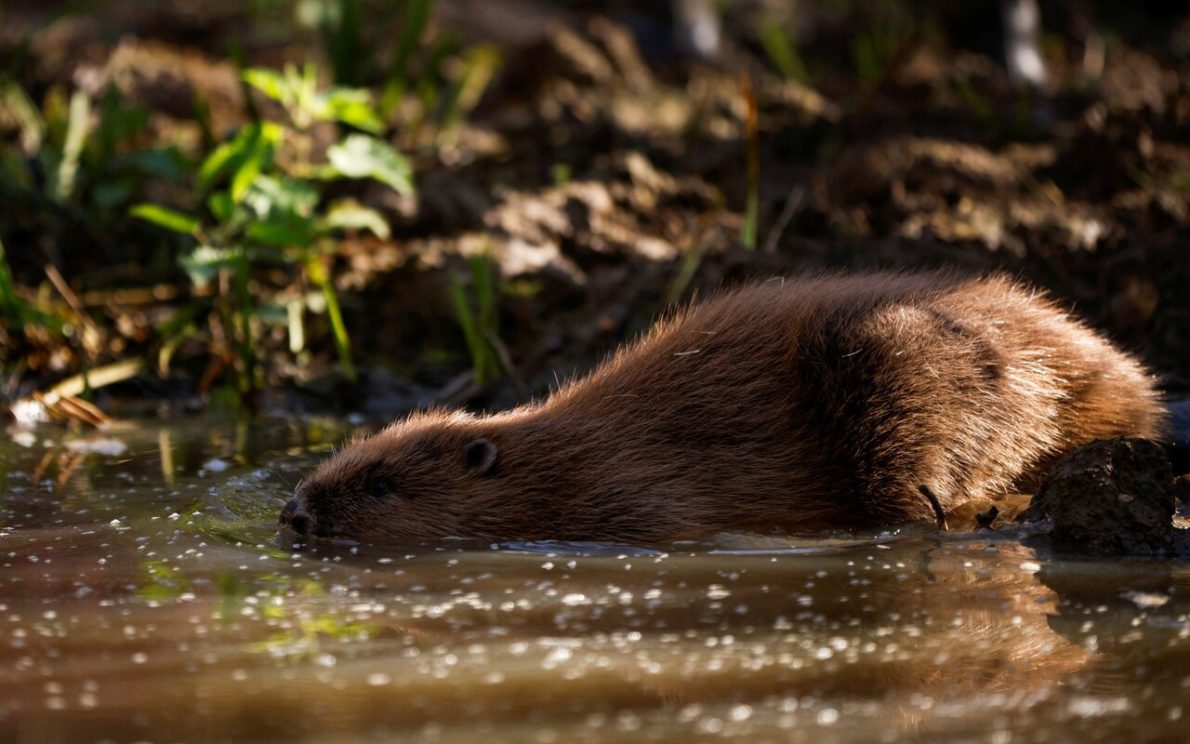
[(143, 597)]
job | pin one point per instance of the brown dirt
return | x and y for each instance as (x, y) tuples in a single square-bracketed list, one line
[(1083, 191)]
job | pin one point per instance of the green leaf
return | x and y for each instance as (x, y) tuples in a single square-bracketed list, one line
[(204, 263), (351, 106), (363, 156), (221, 205), (269, 82), (270, 195), (222, 159), (165, 217), (298, 92), (245, 156), (282, 232), (350, 215), (243, 177)]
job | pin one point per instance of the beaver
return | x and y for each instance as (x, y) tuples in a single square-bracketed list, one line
[(793, 405)]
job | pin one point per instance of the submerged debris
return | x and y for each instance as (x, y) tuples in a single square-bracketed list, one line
[(1111, 498)]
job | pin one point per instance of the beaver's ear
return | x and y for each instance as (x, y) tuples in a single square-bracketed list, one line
[(479, 455)]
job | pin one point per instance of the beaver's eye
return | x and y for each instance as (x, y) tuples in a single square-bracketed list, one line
[(378, 487)]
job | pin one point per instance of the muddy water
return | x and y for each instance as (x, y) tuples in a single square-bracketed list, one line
[(143, 598)]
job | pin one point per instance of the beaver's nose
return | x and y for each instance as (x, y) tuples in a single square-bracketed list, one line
[(295, 517)]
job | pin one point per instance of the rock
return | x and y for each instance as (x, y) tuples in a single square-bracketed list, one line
[(1110, 498), (1181, 489)]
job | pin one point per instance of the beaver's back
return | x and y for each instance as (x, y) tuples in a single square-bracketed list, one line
[(837, 398)]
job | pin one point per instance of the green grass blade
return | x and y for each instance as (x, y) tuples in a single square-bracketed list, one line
[(782, 52), (471, 333), (480, 64), (28, 119), (342, 34), (339, 331), (317, 271), (241, 277), (749, 229), (167, 218), (485, 300), (77, 126), (12, 302), (417, 16)]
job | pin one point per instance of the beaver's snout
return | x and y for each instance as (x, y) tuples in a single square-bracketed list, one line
[(295, 517)]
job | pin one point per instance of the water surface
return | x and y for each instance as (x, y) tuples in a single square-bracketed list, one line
[(143, 597)]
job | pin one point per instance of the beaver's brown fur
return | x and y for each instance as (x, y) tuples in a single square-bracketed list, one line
[(797, 404)]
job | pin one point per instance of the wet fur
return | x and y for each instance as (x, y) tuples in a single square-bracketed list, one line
[(798, 404)]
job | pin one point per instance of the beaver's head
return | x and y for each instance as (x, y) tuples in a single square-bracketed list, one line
[(421, 478)]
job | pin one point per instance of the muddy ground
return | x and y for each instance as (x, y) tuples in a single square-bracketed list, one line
[(606, 176)]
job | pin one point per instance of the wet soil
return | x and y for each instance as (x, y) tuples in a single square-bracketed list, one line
[(605, 175)]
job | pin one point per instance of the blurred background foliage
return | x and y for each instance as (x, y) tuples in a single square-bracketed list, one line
[(373, 204)]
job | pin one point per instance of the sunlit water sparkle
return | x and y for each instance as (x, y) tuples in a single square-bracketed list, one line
[(143, 597)]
